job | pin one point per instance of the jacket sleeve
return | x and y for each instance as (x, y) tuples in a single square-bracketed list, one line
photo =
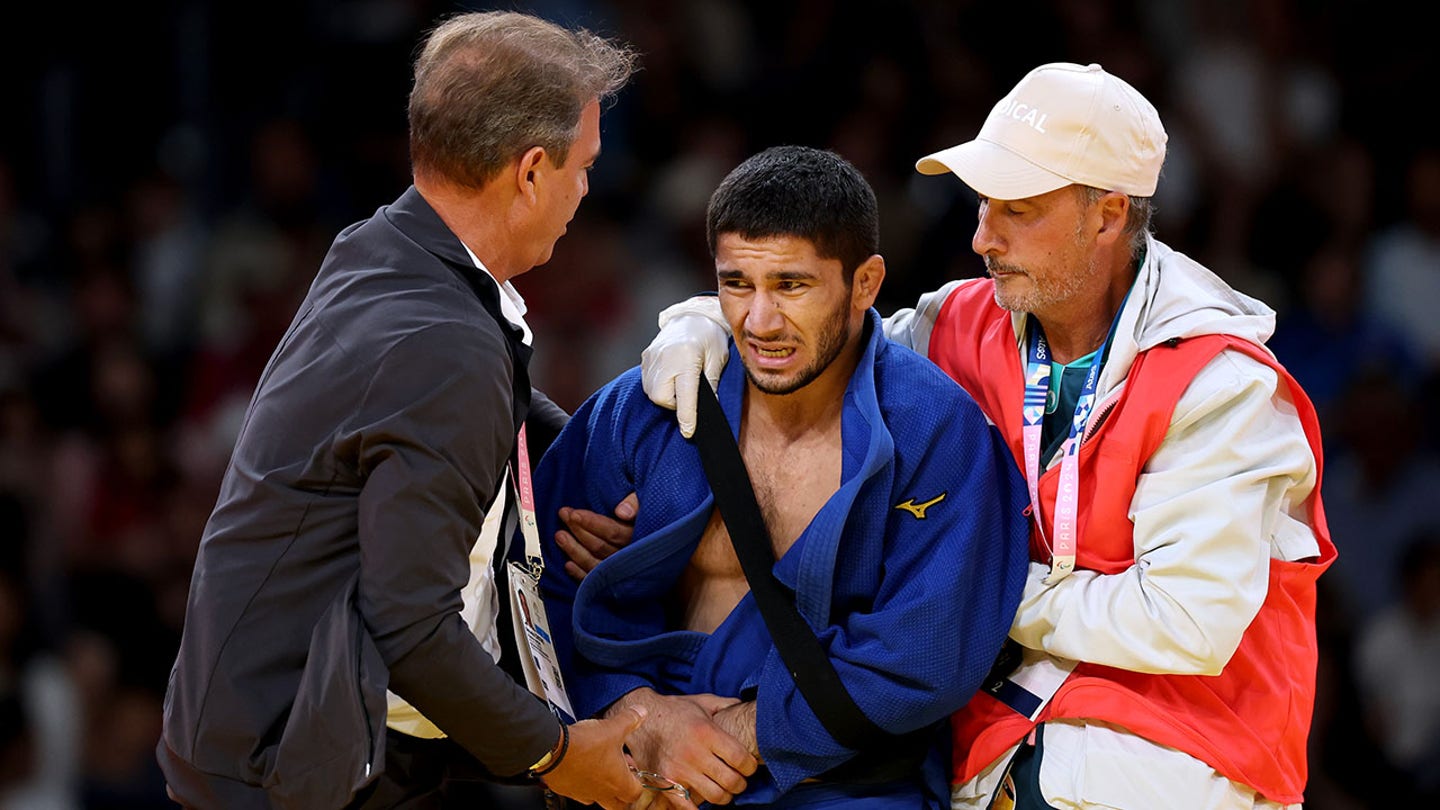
[(543, 424), (1223, 494), (948, 586), (433, 431)]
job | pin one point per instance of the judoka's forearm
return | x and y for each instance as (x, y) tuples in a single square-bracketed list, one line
[(738, 720)]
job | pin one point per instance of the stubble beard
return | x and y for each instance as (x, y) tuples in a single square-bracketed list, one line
[(828, 345), (1045, 292)]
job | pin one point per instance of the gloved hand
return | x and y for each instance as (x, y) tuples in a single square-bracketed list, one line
[(694, 337)]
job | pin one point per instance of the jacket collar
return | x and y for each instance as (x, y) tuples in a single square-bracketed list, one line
[(413, 217), (417, 220)]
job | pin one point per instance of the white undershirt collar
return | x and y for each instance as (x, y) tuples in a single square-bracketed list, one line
[(512, 305)]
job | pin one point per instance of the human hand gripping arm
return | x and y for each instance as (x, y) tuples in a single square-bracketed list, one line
[(738, 720), (589, 537), (693, 339), (592, 767), (1221, 496), (684, 741)]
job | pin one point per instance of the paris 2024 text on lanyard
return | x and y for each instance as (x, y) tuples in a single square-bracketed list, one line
[(1031, 686), (1067, 496)]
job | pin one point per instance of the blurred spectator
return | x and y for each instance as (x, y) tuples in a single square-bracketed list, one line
[(1301, 215), (119, 653), (102, 305), (1328, 339), (1398, 656), (169, 242), (1248, 93), (23, 451), (1404, 263), (1345, 761), (577, 317), (23, 240), (1378, 481), (40, 733), (111, 476)]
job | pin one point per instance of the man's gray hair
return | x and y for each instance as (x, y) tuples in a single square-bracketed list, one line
[(1137, 221), (491, 85)]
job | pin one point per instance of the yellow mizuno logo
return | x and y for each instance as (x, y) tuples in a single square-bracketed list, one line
[(918, 509)]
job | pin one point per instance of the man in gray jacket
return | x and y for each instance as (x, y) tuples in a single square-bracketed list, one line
[(342, 555)]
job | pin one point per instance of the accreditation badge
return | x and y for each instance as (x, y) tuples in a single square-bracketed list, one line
[(537, 646)]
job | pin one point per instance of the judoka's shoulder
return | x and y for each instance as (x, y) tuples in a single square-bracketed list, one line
[(622, 404), (908, 383), (618, 392)]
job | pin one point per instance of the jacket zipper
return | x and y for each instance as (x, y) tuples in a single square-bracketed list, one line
[(1112, 398)]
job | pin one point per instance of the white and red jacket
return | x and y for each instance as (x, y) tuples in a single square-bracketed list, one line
[(1201, 535)]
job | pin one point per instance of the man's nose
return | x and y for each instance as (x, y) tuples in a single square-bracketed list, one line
[(986, 241), (765, 316)]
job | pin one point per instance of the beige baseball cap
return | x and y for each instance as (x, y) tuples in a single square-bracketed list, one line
[(1062, 124)]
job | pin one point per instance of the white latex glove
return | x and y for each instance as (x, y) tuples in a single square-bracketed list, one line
[(694, 337)]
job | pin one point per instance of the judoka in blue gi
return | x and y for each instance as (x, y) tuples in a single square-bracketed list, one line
[(895, 512)]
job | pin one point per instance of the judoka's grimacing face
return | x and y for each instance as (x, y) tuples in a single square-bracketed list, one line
[(792, 311)]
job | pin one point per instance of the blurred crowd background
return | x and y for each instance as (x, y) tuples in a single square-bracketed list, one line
[(172, 172)]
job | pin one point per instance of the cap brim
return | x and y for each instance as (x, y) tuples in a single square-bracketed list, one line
[(992, 170)]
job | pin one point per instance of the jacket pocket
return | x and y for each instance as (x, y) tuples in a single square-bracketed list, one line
[(333, 743)]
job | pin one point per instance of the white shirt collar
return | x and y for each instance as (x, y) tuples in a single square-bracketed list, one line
[(512, 306)]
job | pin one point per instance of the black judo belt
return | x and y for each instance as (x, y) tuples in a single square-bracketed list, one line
[(882, 757)]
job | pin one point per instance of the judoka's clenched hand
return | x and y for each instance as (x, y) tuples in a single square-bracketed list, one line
[(682, 742), (590, 537)]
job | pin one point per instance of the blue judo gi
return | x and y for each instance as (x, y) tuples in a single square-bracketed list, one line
[(912, 604)]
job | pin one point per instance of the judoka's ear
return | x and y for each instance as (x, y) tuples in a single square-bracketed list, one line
[(866, 285)]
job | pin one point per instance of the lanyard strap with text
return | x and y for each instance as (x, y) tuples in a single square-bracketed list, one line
[(526, 506), (1067, 495), (527, 606)]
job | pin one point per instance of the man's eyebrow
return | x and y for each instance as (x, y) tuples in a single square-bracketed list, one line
[(776, 275)]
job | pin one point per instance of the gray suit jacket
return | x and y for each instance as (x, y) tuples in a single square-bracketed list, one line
[(332, 564)]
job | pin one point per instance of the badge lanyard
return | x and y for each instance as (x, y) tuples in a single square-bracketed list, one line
[(527, 609), (1067, 496), (525, 506), (1029, 689)]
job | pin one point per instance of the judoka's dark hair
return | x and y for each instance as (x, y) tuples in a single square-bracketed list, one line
[(798, 191)]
